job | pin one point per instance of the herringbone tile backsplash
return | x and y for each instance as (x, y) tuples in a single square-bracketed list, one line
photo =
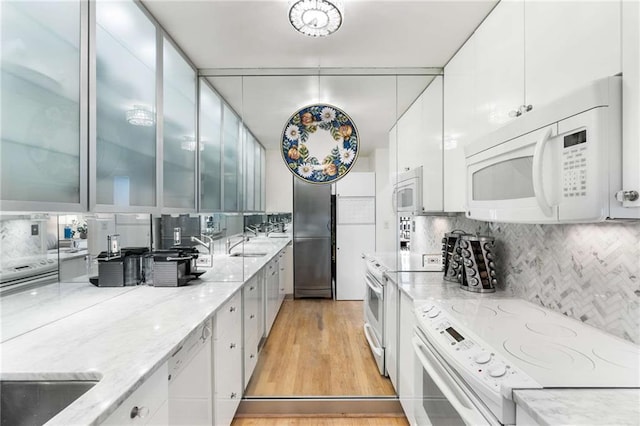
[(590, 272)]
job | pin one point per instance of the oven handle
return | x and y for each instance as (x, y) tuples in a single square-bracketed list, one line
[(376, 348), (538, 184), (375, 288), (457, 398)]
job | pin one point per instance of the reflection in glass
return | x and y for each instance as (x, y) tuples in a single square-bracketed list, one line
[(249, 175), (125, 80), (210, 164), (40, 119), (179, 130)]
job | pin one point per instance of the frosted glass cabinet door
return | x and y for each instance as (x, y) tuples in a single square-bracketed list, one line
[(258, 175), (179, 130), (231, 143), (43, 120), (210, 123), (125, 154), (249, 175)]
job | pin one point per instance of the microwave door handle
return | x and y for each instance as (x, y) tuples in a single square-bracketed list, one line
[(460, 402), (538, 184)]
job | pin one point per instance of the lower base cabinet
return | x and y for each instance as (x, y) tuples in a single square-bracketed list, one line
[(190, 395), (227, 360), (406, 371), (391, 302), (251, 299), (147, 405)]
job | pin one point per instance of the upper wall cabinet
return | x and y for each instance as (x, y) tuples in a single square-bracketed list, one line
[(210, 123), (179, 131), (526, 54), (231, 160), (631, 102), (43, 126), (125, 155), (419, 143)]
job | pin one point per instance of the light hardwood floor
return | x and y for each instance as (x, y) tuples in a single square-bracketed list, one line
[(317, 348), (316, 421)]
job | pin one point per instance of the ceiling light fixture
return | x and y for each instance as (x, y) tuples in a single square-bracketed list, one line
[(140, 116), (316, 18)]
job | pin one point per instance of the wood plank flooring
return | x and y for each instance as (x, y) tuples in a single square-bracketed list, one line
[(321, 421), (317, 348)]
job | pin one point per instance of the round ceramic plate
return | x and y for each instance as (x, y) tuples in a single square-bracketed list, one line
[(320, 143)]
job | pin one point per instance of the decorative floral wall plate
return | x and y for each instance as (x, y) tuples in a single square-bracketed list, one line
[(320, 143)]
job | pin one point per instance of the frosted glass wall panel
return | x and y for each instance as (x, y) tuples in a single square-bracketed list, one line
[(258, 176), (125, 105), (40, 112), (179, 130), (231, 143), (210, 163)]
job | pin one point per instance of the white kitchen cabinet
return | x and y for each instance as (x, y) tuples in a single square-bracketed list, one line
[(393, 154), (406, 369), (357, 184), (272, 289), (147, 405), (251, 311), (409, 137), (568, 45), (286, 271), (525, 54), (190, 380), (227, 360), (72, 267), (499, 67), (631, 99), (459, 111), (391, 337)]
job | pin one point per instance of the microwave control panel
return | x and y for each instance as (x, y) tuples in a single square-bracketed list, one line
[(574, 165)]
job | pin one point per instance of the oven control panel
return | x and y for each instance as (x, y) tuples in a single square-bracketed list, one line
[(474, 360)]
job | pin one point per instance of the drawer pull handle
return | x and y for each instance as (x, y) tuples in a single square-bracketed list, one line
[(252, 316), (141, 412), (252, 356), (232, 309), (233, 395), (252, 288), (231, 346)]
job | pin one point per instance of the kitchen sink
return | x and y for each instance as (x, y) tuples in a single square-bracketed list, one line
[(241, 254), (278, 235), (36, 402)]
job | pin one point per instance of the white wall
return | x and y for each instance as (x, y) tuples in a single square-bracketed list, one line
[(279, 184), (385, 218)]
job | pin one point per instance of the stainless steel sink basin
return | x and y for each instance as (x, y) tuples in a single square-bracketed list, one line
[(36, 402), (240, 254)]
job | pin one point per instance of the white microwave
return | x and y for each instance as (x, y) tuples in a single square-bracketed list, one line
[(559, 164), (407, 195)]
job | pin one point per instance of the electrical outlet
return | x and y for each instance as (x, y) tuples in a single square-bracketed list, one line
[(432, 262), (35, 229)]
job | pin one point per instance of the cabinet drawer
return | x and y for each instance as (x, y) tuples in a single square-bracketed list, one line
[(227, 378), (228, 318), (250, 361), (145, 404)]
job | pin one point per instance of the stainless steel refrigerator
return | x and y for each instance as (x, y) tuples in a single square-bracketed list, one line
[(312, 240)]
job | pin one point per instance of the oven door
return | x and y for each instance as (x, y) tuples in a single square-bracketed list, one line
[(374, 319), (441, 397)]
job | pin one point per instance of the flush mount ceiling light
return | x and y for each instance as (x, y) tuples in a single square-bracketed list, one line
[(140, 116), (316, 18)]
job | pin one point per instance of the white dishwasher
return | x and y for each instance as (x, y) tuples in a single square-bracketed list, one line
[(190, 393)]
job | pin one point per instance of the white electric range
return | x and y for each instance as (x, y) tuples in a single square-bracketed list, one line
[(477, 351)]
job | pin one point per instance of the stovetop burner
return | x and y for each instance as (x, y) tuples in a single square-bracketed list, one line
[(550, 329), (548, 355)]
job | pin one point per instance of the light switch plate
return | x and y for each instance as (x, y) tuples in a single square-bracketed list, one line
[(35, 229)]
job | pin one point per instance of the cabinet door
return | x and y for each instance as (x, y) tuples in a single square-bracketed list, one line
[(357, 184), (393, 154), (391, 331), (499, 67), (249, 174), (179, 130), (251, 339), (459, 110), (430, 152), (257, 176), (351, 242), (43, 116), (406, 368), (210, 124), (227, 369), (231, 155), (125, 156), (631, 99), (568, 45), (409, 137)]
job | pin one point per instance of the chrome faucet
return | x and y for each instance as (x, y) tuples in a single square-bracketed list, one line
[(208, 246), (252, 229), (231, 246)]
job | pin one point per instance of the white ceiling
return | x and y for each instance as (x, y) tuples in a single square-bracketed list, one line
[(239, 34)]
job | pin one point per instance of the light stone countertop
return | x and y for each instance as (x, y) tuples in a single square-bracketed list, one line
[(119, 336), (550, 407)]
